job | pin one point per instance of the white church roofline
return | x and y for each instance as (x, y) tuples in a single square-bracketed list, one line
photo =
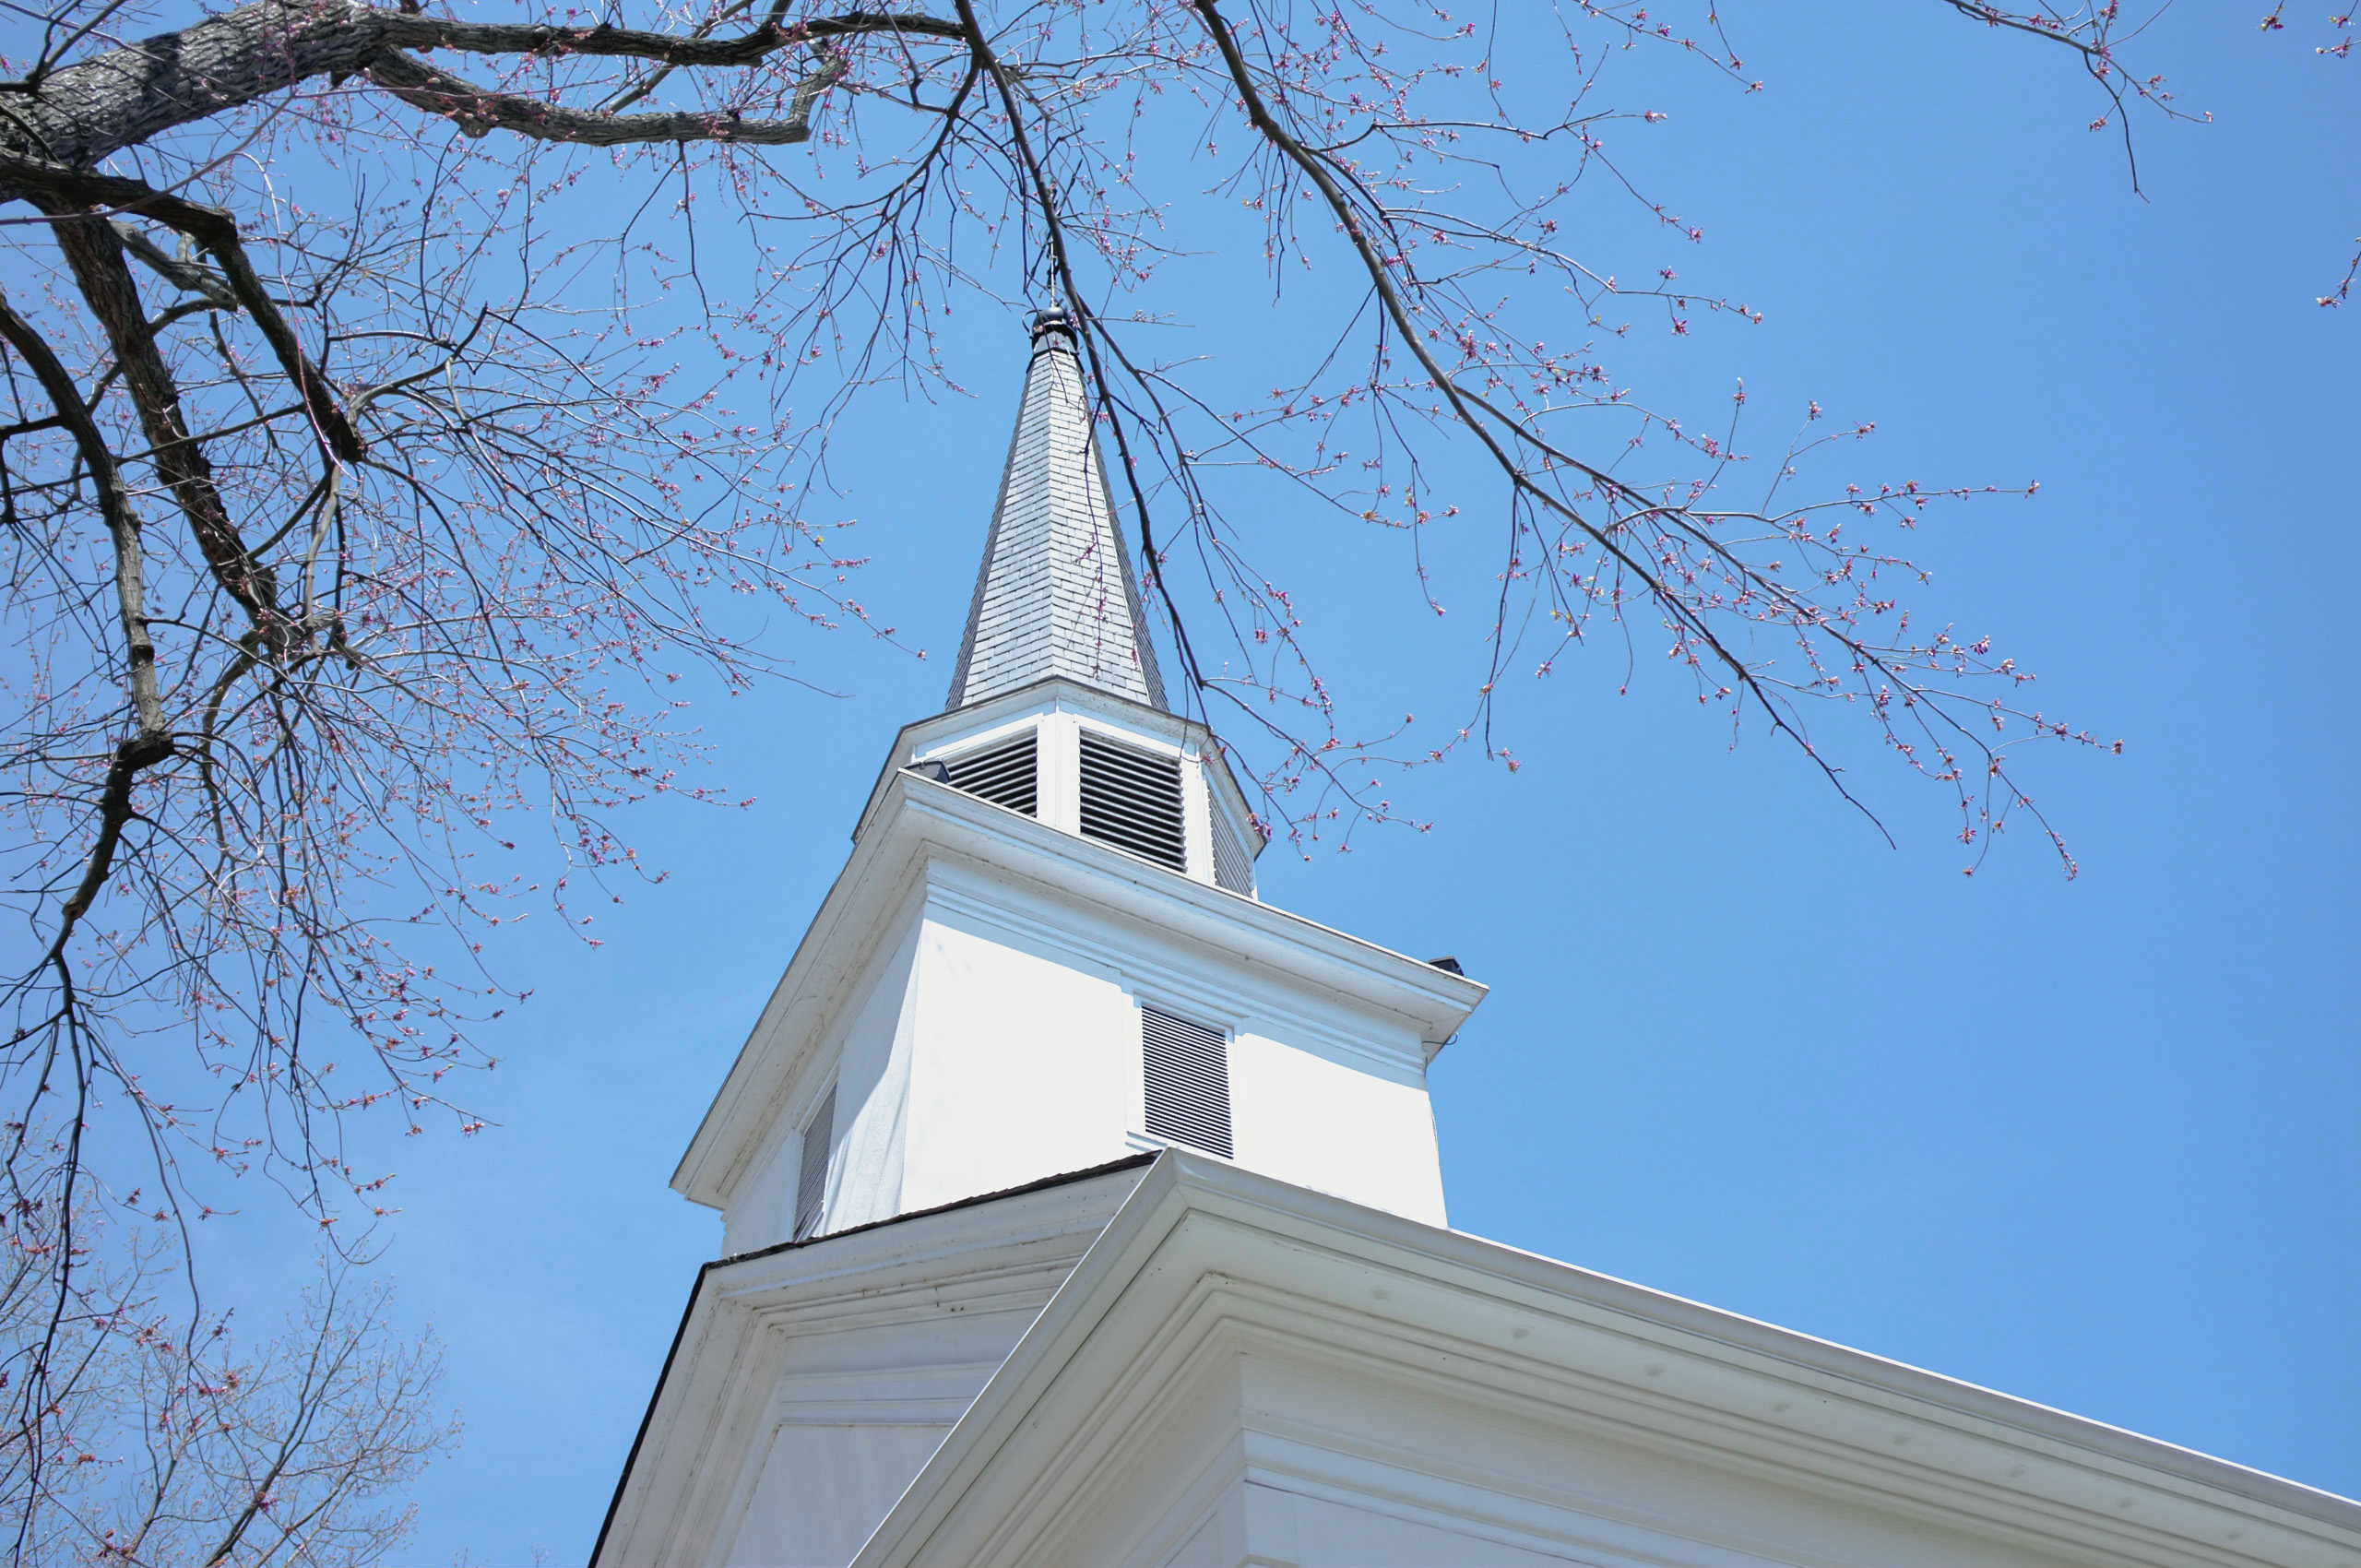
[(958, 1256), (1206, 1264), (1063, 1178), (918, 821)]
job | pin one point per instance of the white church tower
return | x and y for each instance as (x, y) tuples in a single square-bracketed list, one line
[(1045, 953), (1079, 1208)]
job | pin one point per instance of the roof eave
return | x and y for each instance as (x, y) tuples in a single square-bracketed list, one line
[(1667, 1374)]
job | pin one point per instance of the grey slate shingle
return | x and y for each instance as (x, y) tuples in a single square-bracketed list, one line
[(1056, 595)]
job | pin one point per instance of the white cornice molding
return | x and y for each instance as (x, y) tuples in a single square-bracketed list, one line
[(918, 824), (1203, 1249), (988, 904)]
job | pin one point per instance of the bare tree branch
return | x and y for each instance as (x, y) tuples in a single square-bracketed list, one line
[(463, 457), (477, 111), (125, 97)]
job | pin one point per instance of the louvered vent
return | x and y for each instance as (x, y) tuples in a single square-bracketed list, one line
[(811, 1178), (1231, 867), (1006, 775), (1132, 799), (1188, 1082)]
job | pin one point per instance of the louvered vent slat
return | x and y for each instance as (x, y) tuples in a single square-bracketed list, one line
[(1132, 799), (1188, 1081), (1232, 869), (812, 1176), (1007, 775)]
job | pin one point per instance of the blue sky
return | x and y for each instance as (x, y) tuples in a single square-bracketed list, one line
[(2096, 1143)]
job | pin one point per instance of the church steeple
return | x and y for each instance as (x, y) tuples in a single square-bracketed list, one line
[(1055, 597), (1048, 951)]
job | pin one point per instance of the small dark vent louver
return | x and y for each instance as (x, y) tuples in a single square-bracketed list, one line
[(1132, 799), (1188, 1082), (1006, 775), (812, 1177), (1231, 867)]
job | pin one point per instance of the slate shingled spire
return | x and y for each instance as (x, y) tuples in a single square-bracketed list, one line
[(1055, 596)]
